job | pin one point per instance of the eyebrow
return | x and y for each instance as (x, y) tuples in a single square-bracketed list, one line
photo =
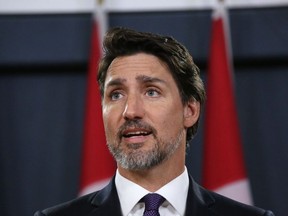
[(116, 82), (148, 79), (141, 79)]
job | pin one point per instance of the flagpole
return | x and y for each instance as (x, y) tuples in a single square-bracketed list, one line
[(101, 17)]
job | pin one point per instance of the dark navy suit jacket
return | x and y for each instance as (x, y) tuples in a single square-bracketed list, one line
[(200, 202)]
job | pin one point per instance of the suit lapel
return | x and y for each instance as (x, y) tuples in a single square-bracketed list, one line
[(199, 200), (106, 201)]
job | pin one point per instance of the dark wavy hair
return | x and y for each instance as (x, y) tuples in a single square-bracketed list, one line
[(123, 42)]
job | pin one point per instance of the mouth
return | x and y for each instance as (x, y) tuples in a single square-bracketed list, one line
[(135, 133)]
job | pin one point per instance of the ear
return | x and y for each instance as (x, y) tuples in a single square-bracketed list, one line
[(191, 113)]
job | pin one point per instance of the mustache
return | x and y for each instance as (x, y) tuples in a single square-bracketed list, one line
[(136, 123)]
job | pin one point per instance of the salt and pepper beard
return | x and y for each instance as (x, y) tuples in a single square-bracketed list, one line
[(136, 159)]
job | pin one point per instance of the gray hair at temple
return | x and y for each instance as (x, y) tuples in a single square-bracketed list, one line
[(124, 42)]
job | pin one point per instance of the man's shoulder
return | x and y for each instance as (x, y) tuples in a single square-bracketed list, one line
[(207, 202), (78, 206), (102, 202), (226, 206)]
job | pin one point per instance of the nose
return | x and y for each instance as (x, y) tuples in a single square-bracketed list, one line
[(134, 108)]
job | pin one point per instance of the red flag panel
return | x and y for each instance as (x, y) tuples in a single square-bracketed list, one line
[(97, 163)]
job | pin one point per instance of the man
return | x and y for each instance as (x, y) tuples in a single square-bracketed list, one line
[(152, 95)]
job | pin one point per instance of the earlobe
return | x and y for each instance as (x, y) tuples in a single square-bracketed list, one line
[(191, 113)]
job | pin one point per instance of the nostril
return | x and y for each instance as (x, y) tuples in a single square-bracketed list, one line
[(127, 118)]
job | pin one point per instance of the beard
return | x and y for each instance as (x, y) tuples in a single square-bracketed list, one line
[(132, 157)]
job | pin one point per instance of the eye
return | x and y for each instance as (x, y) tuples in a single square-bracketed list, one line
[(152, 93), (115, 95)]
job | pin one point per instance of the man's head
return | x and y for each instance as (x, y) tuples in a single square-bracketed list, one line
[(124, 42)]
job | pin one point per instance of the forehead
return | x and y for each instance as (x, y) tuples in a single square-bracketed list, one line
[(138, 64)]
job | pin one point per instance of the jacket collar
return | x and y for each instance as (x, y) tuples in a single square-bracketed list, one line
[(106, 200), (199, 200)]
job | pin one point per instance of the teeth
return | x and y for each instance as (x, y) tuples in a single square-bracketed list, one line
[(136, 133)]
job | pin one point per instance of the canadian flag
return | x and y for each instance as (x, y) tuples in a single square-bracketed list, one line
[(223, 162), (97, 166)]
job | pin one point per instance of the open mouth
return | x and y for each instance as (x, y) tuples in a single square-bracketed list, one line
[(135, 133)]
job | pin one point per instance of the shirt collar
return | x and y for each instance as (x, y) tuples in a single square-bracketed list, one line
[(124, 187), (170, 191), (173, 189)]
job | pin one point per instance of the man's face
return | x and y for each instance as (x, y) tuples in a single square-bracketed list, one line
[(144, 118)]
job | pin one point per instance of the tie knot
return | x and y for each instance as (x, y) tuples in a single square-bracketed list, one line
[(153, 201)]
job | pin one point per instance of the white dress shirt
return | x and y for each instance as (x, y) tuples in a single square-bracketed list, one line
[(175, 193)]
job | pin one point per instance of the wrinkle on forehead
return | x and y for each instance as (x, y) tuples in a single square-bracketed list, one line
[(139, 61)]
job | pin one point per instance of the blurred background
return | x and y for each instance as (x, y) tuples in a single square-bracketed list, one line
[(44, 52)]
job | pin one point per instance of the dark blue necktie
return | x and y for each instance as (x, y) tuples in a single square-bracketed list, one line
[(152, 203)]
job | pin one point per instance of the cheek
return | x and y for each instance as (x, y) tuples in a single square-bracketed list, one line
[(108, 120), (111, 119), (170, 121)]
